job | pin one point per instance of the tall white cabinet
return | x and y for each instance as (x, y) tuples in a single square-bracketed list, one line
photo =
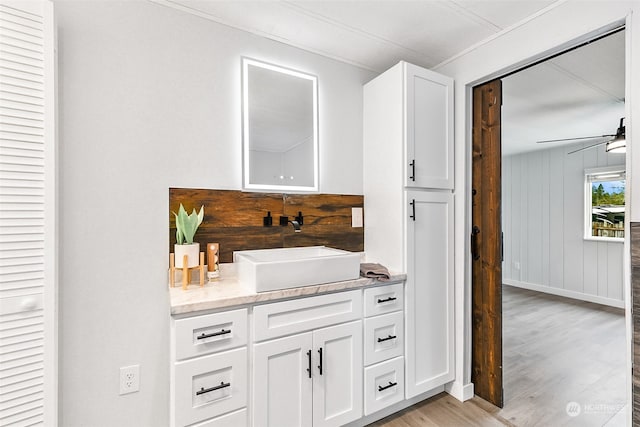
[(408, 183)]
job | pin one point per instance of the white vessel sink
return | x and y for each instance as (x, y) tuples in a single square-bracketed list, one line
[(283, 268)]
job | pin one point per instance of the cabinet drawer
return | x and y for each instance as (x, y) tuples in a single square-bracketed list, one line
[(210, 386), (383, 385), (304, 314), (200, 335), (383, 337), (383, 299), (234, 419)]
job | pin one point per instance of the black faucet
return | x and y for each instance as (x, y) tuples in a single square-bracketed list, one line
[(284, 221), (296, 225)]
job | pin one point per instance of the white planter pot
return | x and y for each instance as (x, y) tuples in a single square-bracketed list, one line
[(192, 251)]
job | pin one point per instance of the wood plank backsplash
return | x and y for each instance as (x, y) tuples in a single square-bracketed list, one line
[(234, 219)]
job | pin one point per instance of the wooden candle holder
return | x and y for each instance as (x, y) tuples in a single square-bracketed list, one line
[(186, 271)]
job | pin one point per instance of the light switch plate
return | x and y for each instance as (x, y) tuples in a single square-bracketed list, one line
[(356, 217)]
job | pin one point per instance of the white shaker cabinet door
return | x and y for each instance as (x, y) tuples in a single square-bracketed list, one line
[(429, 291), (429, 128), (282, 385), (337, 376)]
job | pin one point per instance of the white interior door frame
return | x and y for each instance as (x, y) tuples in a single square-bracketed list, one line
[(459, 389)]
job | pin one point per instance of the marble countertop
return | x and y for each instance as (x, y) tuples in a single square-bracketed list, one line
[(228, 292)]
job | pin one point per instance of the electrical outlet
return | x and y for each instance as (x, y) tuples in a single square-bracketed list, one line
[(516, 265), (129, 379)]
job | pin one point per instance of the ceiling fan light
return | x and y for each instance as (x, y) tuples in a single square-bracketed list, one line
[(618, 145)]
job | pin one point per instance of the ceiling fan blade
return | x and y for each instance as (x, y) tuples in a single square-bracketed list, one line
[(587, 147), (574, 139)]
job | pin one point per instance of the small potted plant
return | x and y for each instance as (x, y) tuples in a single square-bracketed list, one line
[(186, 226)]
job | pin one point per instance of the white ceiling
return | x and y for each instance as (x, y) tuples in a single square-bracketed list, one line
[(580, 93), (574, 95), (372, 34)]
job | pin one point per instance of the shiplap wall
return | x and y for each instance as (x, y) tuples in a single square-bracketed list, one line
[(543, 220)]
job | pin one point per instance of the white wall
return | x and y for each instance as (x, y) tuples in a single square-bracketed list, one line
[(150, 99), (543, 226), (558, 26)]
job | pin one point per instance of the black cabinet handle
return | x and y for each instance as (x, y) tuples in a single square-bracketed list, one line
[(214, 334), (413, 170), (320, 365), (390, 337), (413, 209), (386, 299), (309, 368), (218, 387), (380, 388), (475, 251)]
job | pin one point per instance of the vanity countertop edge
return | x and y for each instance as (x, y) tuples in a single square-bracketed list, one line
[(227, 292)]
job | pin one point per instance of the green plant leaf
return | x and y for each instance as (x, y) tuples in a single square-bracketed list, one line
[(179, 227), (200, 216), (187, 225), (179, 236)]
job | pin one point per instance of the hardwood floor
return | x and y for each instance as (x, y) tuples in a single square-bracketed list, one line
[(444, 410), (556, 351)]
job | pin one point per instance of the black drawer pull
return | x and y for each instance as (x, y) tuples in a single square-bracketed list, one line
[(320, 365), (413, 170), (390, 337), (218, 387), (214, 334), (387, 299), (309, 368), (381, 388)]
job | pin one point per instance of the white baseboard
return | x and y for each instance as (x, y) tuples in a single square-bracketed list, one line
[(460, 391), (565, 293)]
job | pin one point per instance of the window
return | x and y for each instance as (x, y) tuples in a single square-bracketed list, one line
[(605, 203)]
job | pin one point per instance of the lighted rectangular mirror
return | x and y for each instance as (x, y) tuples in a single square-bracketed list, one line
[(280, 128)]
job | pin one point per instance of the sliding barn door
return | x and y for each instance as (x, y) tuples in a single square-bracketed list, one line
[(28, 385), (486, 244)]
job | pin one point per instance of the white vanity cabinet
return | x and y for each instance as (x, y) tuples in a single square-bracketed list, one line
[(282, 385), (312, 378), (383, 347), (209, 377), (408, 183), (323, 360)]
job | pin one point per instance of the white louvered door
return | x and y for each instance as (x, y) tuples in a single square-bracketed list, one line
[(28, 353)]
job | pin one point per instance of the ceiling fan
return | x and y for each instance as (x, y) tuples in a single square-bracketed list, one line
[(616, 143)]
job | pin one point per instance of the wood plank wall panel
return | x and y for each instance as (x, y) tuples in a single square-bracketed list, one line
[(635, 300), (574, 222), (234, 219), (543, 219)]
